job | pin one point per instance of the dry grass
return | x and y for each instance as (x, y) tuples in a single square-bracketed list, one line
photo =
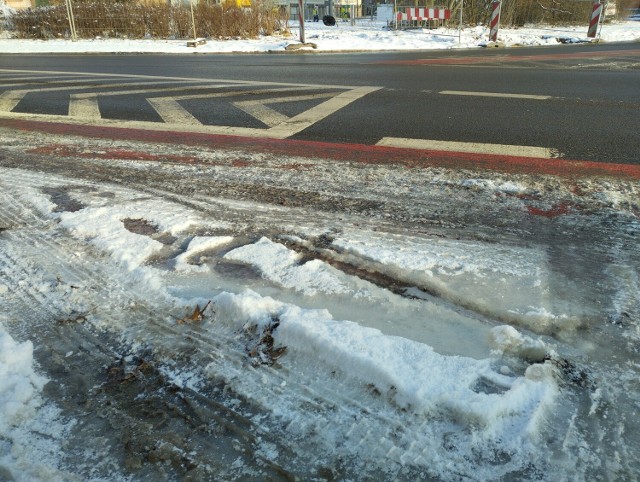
[(128, 19)]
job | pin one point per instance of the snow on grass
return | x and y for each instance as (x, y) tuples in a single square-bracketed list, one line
[(365, 36)]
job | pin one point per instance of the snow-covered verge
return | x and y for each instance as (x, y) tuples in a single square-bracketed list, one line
[(349, 347), (365, 36), (31, 430)]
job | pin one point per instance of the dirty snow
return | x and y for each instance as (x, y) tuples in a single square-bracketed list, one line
[(424, 380), (30, 429), (367, 35)]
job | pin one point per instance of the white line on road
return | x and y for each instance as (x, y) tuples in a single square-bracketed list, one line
[(268, 116), (85, 107), (10, 99), (172, 112), (315, 114), (470, 147), (496, 94), (181, 79), (39, 80)]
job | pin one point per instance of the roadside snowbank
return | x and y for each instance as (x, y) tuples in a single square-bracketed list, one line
[(365, 36), (410, 374), (30, 431)]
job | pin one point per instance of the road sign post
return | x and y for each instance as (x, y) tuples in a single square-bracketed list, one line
[(595, 20), (495, 21)]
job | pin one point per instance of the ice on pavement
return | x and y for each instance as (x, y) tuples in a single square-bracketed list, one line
[(30, 430), (501, 281), (415, 377), (463, 397), (283, 266)]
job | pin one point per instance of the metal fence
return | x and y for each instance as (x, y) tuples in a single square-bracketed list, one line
[(233, 18), (109, 19)]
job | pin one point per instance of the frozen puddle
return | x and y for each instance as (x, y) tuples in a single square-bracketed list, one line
[(351, 355)]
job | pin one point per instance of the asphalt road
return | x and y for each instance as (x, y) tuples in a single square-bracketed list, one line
[(582, 102)]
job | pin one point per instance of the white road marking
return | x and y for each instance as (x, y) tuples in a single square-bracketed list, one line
[(10, 99), (269, 116), (145, 90), (185, 79), (36, 80), (470, 147), (85, 107), (496, 94), (315, 114), (172, 112), (264, 114)]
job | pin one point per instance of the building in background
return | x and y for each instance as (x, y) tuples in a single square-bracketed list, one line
[(20, 4)]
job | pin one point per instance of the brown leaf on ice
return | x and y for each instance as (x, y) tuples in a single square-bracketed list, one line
[(197, 315), (265, 352)]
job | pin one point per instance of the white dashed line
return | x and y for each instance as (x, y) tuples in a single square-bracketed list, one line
[(496, 94), (469, 147)]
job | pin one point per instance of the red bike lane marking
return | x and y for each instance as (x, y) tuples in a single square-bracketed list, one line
[(345, 152)]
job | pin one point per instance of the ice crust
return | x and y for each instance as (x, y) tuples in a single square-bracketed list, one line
[(283, 266), (30, 430), (414, 376)]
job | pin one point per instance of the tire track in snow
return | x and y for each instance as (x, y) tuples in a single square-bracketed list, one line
[(62, 258)]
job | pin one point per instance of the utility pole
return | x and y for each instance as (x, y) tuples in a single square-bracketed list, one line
[(301, 19), (193, 21)]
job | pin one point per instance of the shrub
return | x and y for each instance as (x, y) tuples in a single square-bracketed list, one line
[(136, 19)]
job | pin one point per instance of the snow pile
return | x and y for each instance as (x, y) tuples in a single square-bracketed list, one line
[(411, 374), (507, 340), (30, 431), (282, 266), (199, 245), (19, 384), (104, 227), (365, 36)]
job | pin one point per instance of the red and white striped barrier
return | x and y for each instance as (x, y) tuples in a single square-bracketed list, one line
[(495, 21), (420, 14), (595, 20)]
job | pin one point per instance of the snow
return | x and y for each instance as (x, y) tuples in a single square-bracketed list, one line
[(366, 35), (415, 377), (19, 384), (466, 407), (30, 430), (104, 227), (282, 266), (199, 245)]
